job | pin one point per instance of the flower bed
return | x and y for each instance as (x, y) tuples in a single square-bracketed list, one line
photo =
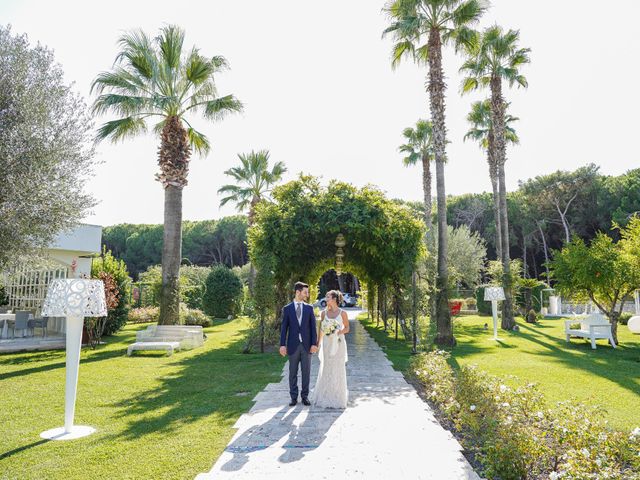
[(511, 434)]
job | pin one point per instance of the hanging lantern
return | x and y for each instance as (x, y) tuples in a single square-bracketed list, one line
[(340, 243)]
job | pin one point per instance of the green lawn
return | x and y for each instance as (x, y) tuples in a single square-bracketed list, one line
[(539, 353), (156, 416)]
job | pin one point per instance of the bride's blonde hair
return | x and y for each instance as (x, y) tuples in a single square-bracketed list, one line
[(336, 295)]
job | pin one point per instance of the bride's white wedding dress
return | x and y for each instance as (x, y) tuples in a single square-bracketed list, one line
[(331, 386)]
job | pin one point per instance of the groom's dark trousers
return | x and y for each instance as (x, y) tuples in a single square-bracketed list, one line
[(291, 333)]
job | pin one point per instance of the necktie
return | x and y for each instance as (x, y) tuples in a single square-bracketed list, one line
[(299, 315)]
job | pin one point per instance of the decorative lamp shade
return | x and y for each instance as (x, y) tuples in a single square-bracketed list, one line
[(493, 293), (76, 297)]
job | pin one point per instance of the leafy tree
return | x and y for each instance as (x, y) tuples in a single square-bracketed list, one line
[(562, 195), (604, 271), (493, 57), (45, 163), (420, 29), (253, 180), (204, 243), (467, 255), (223, 293), (482, 132), (156, 78)]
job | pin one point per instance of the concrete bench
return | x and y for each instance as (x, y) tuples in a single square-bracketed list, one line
[(189, 336), (168, 346), (592, 326)]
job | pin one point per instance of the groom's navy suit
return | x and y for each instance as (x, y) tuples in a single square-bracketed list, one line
[(298, 335)]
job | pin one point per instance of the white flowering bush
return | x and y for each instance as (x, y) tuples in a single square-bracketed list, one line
[(513, 435)]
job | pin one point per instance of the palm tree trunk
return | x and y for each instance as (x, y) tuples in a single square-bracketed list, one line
[(429, 239), (426, 188), (444, 334), (497, 118), (171, 256), (173, 158), (493, 175)]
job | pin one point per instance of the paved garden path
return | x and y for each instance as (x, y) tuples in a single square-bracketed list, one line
[(386, 432)]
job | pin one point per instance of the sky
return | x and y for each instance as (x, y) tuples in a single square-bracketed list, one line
[(321, 96)]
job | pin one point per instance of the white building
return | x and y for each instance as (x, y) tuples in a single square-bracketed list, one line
[(69, 256)]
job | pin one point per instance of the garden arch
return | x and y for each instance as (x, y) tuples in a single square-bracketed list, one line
[(294, 236)]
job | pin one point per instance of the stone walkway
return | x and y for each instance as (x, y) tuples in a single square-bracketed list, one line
[(386, 432)]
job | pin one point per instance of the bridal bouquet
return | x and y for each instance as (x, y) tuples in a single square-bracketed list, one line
[(329, 328)]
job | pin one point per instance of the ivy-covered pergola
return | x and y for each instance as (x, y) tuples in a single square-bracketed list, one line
[(294, 236)]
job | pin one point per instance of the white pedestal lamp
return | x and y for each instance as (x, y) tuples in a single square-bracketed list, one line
[(494, 294), (75, 299)]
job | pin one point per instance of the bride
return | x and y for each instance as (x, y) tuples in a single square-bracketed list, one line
[(331, 386)]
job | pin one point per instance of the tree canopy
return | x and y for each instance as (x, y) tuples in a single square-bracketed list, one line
[(44, 152)]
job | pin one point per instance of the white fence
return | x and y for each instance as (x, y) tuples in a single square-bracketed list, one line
[(27, 288)]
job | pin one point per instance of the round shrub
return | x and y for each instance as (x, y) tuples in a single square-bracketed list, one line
[(223, 294), (193, 316), (144, 315)]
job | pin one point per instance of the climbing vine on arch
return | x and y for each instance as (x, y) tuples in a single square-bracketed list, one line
[(293, 236)]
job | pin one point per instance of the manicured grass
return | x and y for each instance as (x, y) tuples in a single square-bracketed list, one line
[(156, 416), (539, 353)]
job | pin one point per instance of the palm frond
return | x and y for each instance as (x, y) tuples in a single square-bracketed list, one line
[(125, 105), (198, 141), (170, 42), (120, 129), (137, 51), (220, 107)]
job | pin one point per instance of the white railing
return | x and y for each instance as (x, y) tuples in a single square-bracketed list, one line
[(26, 288)]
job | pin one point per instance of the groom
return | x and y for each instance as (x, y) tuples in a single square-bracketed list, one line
[(299, 340)]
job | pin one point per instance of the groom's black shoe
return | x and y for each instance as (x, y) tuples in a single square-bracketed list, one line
[(305, 401), (293, 402)]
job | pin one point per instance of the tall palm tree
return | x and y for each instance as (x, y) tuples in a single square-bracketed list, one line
[(156, 79), (419, 148), (420, 28), (253, 179), (493, 56), (482, 132)]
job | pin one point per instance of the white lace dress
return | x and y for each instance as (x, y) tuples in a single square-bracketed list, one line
[(331, 386)]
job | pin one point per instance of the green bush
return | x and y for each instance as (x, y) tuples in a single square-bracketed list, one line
[(4, 298), (484, 308), (514, 435), (265, 326), (117, 270), (623, 319), (193, 316), (223, 295), (192, 284), (144, 315)]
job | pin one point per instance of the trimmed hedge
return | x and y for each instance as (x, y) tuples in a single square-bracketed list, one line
[(223, 294)]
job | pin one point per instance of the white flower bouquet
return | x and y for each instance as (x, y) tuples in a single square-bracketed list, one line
[(330, 328)]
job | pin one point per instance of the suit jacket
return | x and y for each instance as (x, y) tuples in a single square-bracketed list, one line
[(290, 329)]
